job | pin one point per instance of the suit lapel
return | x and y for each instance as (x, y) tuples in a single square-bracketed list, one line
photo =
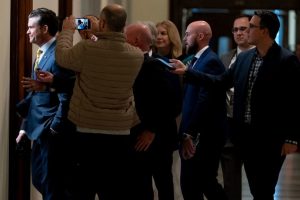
[(228, 57), (201, 59), (245, 67), (46, 56)]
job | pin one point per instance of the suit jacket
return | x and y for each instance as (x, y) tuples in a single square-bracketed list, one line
[(44, 110), (158, 99), (275, 100), (204, 106), (226, 58)]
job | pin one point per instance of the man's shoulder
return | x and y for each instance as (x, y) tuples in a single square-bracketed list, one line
[(134, 51), (115, 43), (211, 55), (249, 52), (228, 54), (132, 48)]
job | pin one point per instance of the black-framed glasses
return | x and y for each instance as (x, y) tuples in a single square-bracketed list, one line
[(241, 29), (254, 26)]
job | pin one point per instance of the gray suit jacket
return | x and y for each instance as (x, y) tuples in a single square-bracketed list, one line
[(226, 58)]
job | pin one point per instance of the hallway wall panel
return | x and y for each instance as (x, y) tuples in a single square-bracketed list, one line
[(4, 96)]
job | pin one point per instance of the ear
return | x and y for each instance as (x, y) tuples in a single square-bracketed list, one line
[(200, 36), (45, 28), (266, 31), (102, 24)]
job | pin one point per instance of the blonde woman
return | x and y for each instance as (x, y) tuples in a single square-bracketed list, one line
[(168, 45), (168, 41)]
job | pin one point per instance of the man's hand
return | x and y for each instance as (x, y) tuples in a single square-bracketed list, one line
[(44, 76), (33, 85), (188, 148), (69, 23), (288, 148), (90, 33), (179, 67), (144, 141)]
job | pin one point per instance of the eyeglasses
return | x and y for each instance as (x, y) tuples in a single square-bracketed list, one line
[(255, 26), (187, 34), (241, 29)]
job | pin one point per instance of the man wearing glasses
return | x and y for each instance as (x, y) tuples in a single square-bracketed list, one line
[(230, 160)]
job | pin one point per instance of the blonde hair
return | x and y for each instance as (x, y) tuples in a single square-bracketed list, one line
[(174, 37)]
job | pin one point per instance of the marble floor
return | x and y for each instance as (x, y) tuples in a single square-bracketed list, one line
[(288, 187)]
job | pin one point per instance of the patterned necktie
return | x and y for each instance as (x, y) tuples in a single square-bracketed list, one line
[(37, 60)]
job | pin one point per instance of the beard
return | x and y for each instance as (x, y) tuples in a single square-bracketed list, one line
[(192, 49)]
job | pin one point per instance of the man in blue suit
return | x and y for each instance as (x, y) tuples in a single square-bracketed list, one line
[(265, 103), (203, 118), (45, 112)]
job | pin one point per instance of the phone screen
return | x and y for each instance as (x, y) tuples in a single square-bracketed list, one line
[(82, 23), (168, 65)]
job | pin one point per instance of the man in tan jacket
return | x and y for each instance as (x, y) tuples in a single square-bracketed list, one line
[(102, 105)]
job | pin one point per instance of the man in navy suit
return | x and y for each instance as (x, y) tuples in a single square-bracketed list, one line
[(203, 118), (45, 112), (266, 104)]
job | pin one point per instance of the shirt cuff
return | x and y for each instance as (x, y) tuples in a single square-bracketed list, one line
[(53, 132)]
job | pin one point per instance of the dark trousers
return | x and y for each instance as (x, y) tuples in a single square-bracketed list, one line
[(50, 161), (261, 155), (100, 166), (231, 167), (199, 174), (156, 164)]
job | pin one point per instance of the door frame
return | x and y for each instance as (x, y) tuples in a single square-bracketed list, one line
[(20, 65)]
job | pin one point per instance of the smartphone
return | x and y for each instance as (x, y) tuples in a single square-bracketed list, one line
[(82, 23), (168, 65)]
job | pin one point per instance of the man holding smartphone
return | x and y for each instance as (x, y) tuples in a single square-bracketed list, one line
[(102, 105)]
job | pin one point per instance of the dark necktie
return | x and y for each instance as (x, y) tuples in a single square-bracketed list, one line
[(191, 63)]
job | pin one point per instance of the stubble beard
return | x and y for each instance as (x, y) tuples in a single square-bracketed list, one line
[(192, 49)]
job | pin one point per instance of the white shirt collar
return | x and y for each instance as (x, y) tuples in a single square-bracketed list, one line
[(46, 46), (199, 53)]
